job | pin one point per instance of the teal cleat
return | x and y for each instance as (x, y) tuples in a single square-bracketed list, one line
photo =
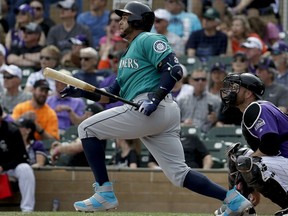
[(103, 199)]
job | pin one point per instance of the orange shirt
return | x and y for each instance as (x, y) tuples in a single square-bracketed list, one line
[(45, 117)]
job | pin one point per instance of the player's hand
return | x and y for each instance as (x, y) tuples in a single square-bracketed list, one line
[(148, 106), (71, 91)]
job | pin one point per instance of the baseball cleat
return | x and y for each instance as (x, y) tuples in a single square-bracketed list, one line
[(104, 199), (249, 212), (282, 212)]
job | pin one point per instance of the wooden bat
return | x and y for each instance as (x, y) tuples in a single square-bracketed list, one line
[(69, 80)]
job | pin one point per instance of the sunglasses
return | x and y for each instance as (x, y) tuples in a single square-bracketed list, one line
[(203, 79), (239, 59), (46, 58), (37, 8), (8, 77), (85, 58)]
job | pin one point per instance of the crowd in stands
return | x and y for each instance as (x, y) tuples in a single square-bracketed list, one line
[(88, 46)]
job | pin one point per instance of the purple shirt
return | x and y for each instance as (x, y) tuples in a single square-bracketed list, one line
[(77, 105), (271, 120)]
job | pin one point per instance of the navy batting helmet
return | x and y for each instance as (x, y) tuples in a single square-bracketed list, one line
[(140, 15)]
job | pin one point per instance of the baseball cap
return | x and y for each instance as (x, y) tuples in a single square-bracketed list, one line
[(67, 4), (27, 123), (94, 108), (162, 14), (211, 13), (32, 27), (88, 52), (266, 63), (252, 42), (218, 66), (24, 8), (42, 83), (79, 40), (2, 50), (279, 48), (13, 70)]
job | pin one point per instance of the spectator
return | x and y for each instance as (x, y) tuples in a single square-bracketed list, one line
[(106, 43), (4, 25), (35, 149), (38, 110), (127, 155), (279, 56), (29, 54), (49, 57), (72, 58), (96, 19), (239, 63), (2, 64), (14, 162), (66, 108), (182, 23), (218, 73), (253, 50), (200, 107), (88, 72), (12, 83), (274, 92), (207, 41), (60, 34), (161, 22), (74, 149), (44, 22)]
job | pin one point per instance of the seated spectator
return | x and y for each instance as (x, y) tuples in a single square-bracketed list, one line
[(44, 22), (207, 41), (127, 155), (240, 63), (49, 57), (88, 72), (35, 149), (96, 19), (200, 107), (60, 34), (73, 149), (66, 108), (14, 162), (13, 94), (162, 19), (218, 73), (274, 92), (72, 58), (279, 56), (39, 111), (29, 54)]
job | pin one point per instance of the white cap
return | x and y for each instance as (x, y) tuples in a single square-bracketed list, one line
[(162, 14), (2, 50), (13, 70), (88, 52), (67, 4), (252, 42)]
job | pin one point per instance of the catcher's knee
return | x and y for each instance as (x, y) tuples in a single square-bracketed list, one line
[(258, 177)]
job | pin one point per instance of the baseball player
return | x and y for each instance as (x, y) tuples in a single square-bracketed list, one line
[(147, 72), (264, 167)]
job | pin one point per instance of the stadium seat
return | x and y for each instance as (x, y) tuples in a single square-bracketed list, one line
[(217, 150), (70, 134), (110, 151)]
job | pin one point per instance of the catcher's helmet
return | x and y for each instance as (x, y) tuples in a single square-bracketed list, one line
[(141, 16)]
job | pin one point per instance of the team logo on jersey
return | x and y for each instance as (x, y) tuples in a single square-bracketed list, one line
[(260, 122), (159, 46)]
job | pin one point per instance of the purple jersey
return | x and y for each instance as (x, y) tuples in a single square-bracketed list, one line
[(269, 120)]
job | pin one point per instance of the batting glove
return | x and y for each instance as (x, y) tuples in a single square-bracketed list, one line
[(148, 106), (71, 91)]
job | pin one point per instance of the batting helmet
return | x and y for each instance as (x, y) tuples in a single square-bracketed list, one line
[(140, 15)]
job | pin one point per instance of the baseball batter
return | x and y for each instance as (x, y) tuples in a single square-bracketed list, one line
[(264, 168), (148, 70)]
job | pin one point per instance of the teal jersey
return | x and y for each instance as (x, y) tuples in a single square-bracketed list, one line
[(137, 70)]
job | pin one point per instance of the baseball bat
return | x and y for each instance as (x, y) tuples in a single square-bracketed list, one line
[(69, 80)]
